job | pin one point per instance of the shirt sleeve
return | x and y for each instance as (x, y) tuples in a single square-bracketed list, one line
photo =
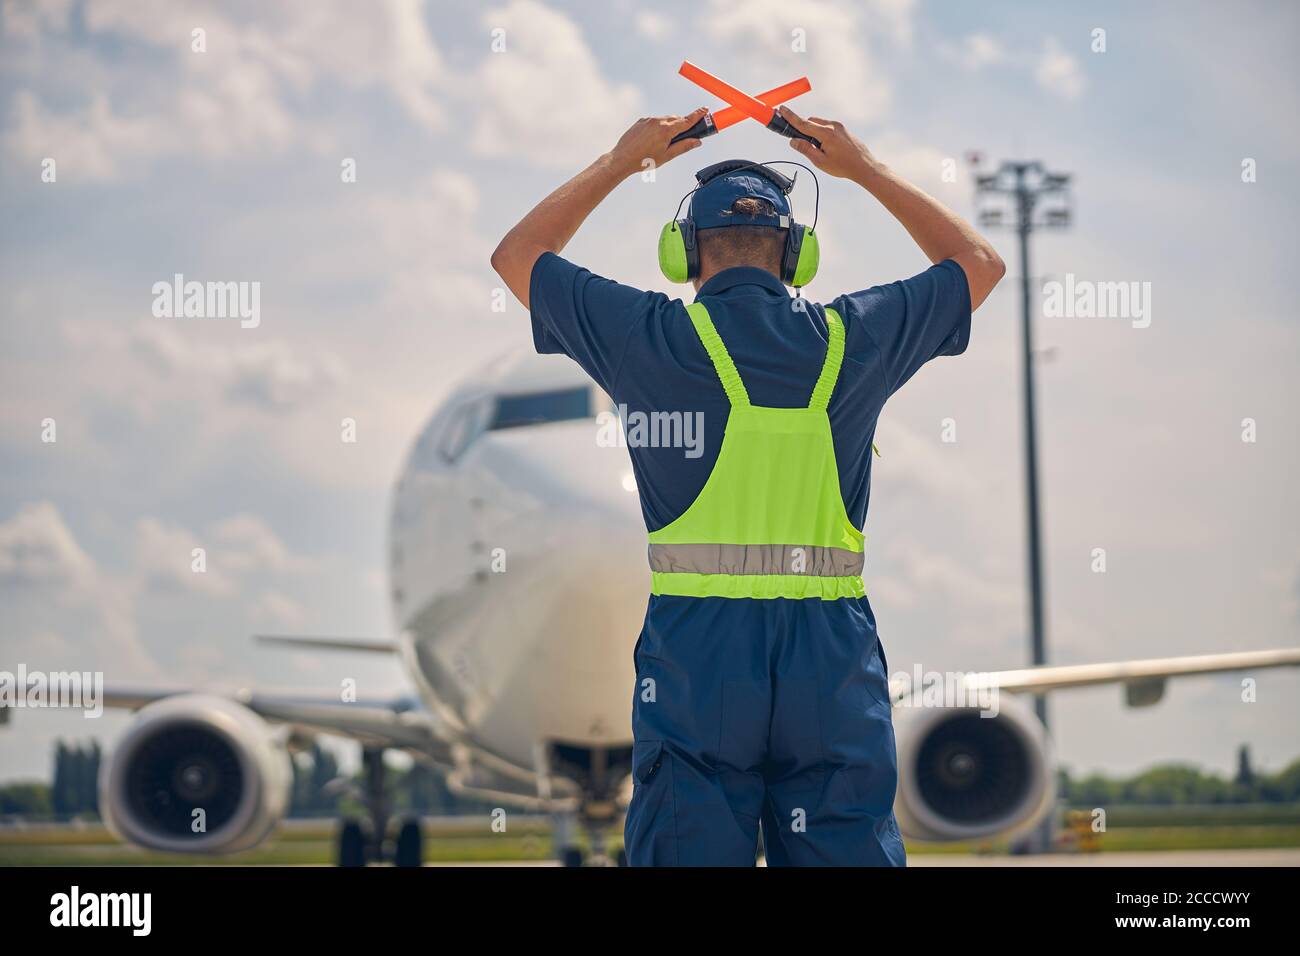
[(588, 318), (908, 322)]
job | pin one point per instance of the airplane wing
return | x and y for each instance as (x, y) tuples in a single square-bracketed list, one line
[(352, 644), (1143, 680), (396, 723)]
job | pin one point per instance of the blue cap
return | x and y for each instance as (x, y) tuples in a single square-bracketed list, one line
[(723, 183)]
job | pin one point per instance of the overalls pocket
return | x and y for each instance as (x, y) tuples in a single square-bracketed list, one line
[(877, 678), (650, 831), (647, 759)]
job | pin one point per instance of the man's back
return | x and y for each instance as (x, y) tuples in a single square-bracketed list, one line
[(642, 349)]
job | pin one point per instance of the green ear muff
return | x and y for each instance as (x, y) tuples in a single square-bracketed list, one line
[(672, 253), (809, 258)]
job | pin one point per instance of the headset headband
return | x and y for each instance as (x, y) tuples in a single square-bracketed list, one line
[(710, 173), (785, 184)]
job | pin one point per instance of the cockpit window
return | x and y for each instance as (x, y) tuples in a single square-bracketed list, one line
[(464, 425), (515, 411)]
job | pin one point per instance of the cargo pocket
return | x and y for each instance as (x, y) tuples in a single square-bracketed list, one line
[(647, 759), (877, 678), (650, 833)]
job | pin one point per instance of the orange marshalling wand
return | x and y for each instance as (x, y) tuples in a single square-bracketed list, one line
[(743, 105), (748, 105), (774, 97)]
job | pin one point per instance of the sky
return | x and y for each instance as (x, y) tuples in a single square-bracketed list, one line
[(134, 149)]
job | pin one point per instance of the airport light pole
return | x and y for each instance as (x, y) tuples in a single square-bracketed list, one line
[(1033, 198)]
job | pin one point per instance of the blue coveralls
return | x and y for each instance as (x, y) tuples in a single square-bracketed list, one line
[(770, 710)]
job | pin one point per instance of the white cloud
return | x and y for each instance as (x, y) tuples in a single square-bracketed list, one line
[(269, 375), (651, 25), (91, 143), (280, 610), (61, 609), (236, 549), (36, 548), (247, 545), (27, 19), (424, 243), (918, 162), (164, 560), (842, 41), (976, 51), (544, 99), (233, 99), (297, 44), (1058, 72)]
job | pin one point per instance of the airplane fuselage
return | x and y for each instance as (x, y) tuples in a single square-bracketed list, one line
[(517, 559)]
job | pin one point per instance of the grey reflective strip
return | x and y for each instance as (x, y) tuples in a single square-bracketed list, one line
[(756, 559)]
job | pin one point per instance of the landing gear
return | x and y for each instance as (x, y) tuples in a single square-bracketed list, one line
[(359, 844), (600, 774), (410, 845), (351, 845), (372, 761), (596, 825)]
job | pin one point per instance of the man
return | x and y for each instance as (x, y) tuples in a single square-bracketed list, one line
[(762, 691)]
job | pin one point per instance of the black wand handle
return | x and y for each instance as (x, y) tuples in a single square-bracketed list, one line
[(779, 124), (703, 127)]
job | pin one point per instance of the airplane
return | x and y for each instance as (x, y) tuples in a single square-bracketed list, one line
[(518, 581)]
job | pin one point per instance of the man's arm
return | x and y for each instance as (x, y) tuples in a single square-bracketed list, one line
[(553, 221), (940, 232)]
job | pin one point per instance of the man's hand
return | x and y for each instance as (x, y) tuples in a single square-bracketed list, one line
[(648, 139), (940, 232), (842, 154), (554, 220)]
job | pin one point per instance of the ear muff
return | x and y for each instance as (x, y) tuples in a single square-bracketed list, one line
[(802, 256), (679, 256)]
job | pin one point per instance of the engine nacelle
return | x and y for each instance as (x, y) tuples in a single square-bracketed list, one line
[(195, 752), (963, 776)]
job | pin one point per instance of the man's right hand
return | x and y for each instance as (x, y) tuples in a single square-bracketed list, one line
[(940, 232), (842, 154)]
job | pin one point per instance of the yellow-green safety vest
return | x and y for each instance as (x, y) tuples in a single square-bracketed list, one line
[(770, 520)]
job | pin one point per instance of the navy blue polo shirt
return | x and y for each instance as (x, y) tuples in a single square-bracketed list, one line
[(642, 349)]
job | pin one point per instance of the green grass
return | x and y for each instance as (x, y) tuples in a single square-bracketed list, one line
[(1128, 829), (296, 846)]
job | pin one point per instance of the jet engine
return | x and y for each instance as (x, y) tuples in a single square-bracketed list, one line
[(965, 775), (195, 774)]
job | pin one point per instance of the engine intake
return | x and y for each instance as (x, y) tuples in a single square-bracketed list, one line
[(194, 753), (963, 776)]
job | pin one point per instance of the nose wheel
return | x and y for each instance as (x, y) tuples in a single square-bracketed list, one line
[(571, 854), (358, 844)]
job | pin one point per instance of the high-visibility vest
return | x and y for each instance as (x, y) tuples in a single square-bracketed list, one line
[(770, 520)]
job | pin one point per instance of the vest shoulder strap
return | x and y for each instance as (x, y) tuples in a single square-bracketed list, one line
[(821, 396), (722, 363)]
